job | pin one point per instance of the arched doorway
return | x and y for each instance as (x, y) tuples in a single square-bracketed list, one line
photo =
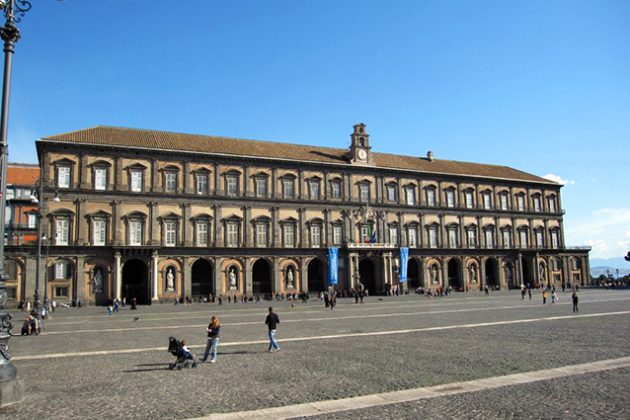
[(492, 279), (526, 272), (368, 277), (261, 282), (454, 275), (202, 278), (316, 280), (135, 282), (413, 274)]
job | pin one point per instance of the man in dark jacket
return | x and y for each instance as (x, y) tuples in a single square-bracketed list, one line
[(575, 302), (272, 322)]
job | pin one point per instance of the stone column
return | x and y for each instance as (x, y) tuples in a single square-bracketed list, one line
[(217, 286), (276, 241), (249, 281), (117, 276), (536, 270), (445, 281), (218, 185), (482, 275), (80, 222), (154, 175), (246, 181), (274, 183), (277, 287), (116, 223), (188, 183), (347, 190), (402, 238), (301, 194), (303, 275), (422, 233), (83, 172), (187, 279), (248, 233), (80, 280), (154, 277), (302, 241), (154, 233), (187, 231), (327, 228), (119, 185)]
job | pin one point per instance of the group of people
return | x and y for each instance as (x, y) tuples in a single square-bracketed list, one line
[(213, 332)]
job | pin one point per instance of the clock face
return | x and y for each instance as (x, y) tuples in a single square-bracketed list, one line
[(362, 154)]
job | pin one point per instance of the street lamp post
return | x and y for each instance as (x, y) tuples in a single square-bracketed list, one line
[(11, 389)]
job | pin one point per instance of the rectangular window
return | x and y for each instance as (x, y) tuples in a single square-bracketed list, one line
[(411, 196), (61, 271), (62, 232), (61, 291), (540, 239), (431, 197), (391, 193), (537, 206), (289, 236), (136, 181), (201, 228), (261, 187), (555, 241), (232, 185), (170, 181), (100, 179), (472, 237), (135, 232), (170, 233), (433, 237), (288, 187), (261, 235), (232, 234), (201, 181), (31, 220), (314, 189), (316, 236), (337, 234), (507, 239), (335, 189), (470, 202), (520, 202), (489, 238), (450, 198), (487, 201), (63, 174), (452, 237), (523, 238), (393, 235), (364, 193), (552, 204), (99, 232), (504, 202), (412, 236)]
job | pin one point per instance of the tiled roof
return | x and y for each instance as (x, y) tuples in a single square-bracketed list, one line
[(167, 141), (22, 174)]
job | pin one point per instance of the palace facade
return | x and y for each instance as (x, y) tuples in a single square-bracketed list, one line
[(159, 216)]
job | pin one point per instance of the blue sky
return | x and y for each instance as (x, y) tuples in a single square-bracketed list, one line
[(540, 86)]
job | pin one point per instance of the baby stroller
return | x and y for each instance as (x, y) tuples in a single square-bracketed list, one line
[(184, 358)]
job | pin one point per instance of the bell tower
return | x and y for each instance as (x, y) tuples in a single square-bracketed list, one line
[(360, 146)]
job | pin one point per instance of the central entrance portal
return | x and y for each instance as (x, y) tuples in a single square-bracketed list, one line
[(202, 279), (316, 282), (368, 276), (135, 282), (261, 282)]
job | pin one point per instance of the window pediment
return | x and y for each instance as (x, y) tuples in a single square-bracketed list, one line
[(100, 163), (170, 216), (64, 162), (136, 167), (136, 215), (170, 168), (101, 214)]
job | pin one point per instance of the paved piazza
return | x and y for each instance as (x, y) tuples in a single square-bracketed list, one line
[(461, 356)]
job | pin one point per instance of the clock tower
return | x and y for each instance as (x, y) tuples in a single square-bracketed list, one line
[(360, 146)]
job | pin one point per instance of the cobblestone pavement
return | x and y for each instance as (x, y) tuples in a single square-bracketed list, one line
[(115, 381)]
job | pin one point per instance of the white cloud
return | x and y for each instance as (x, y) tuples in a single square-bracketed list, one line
[(606, 231), (558, 179)]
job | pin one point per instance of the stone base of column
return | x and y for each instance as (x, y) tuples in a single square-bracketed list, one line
[(11, 392)]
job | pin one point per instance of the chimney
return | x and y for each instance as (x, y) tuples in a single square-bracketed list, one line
[(430, 156)]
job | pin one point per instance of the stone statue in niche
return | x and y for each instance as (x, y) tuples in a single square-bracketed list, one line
[(232, 277), (473, 273), (170, 279), (290, 277), (435, 274), (97, 279)]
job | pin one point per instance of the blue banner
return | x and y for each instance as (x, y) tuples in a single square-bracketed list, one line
[(404, 257), (333, 253)]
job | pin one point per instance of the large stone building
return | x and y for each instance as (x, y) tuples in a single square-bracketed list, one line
[(158, 216)]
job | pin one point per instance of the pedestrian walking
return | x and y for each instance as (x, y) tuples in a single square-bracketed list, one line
[(529, 293), (553, 297), (575, 302), (523, 291), (213, 331), (333, 301), (272, 322), (544, 296)]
